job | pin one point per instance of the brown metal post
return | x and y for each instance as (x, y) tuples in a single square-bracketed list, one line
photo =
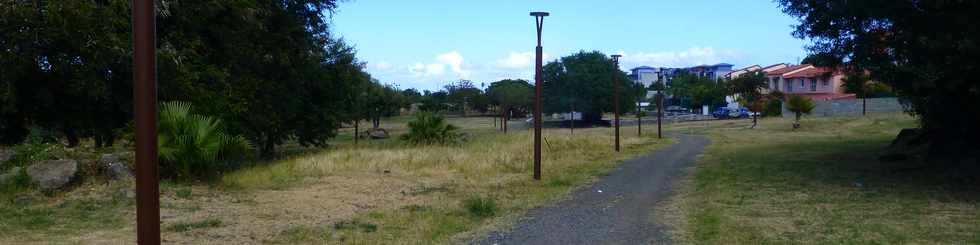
[(639, 121), (616, 97), (660, 112), (145, 113), (356, 130), (571, 127), (539, 22)]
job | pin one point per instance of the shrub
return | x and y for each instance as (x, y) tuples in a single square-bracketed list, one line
[(799, 105), (17, 182), (429, 128), (774, 108), (481, 207), (27, 153), (195, 146)]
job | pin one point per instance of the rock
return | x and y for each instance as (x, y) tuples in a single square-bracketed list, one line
[(53, 174), (128, 193), (23, 200), (9, 174), (5, 156), (115, 169), (378, 133)]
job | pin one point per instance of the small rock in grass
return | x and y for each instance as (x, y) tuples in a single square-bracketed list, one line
[(115, 168), (23, 200)]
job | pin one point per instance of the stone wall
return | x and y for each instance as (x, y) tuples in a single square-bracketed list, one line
[(826, 108)]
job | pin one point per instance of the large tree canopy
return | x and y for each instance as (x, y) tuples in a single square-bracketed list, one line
[(585, 81), (268, 68), (511, 93), (928, 51)]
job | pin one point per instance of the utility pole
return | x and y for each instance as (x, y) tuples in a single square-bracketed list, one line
[(615, 58), (639, 121), (145, 113), (660, 111), (539, 22)]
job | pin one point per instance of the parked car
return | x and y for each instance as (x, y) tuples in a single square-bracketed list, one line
[(725, 113)]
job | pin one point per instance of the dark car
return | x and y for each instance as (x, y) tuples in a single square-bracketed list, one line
[(725, 113)]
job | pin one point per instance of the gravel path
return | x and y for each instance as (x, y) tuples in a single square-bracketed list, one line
[(618, 209)]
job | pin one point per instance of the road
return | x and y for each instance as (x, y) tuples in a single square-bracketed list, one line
[(618, 209)]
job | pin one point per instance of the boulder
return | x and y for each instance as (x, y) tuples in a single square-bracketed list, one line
[(53, 174), (378, 133), (5, 156), (115, 168)]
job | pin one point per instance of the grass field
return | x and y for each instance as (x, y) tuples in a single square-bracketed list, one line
[(822, 184), (375, 192)]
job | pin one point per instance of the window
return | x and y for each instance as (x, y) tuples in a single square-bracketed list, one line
[(789, 86), (802, 83), (813, 84), (775, 84), (826, 83)]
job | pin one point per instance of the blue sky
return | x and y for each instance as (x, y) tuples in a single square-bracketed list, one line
[(427, 43)]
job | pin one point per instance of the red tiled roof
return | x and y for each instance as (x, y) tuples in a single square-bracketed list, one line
[(811, 72), (786, 69), (767, 67)]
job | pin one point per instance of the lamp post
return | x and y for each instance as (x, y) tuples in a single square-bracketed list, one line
[(615, 58), (539, 22), (660, 108), (145, 115)]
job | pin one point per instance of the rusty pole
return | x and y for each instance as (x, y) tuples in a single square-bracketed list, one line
[(539, 22), (615, 58), (660, 112), (145, 113)]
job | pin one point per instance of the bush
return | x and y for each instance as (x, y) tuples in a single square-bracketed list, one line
[(774, 108), (799, 105), (27, 153), (481, 207), (17, 182), (195, 146), (428, 128)]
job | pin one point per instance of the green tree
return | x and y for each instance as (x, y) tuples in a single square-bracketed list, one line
[(799, 105), (925, 50), (585, 81), (695, 91), (511, 93), (383, 100), (65, 66), (748, 87)]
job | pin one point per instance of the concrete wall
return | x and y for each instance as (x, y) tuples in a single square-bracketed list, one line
[(826, 108)]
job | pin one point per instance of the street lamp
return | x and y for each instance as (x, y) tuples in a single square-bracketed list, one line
[(660, 108), (615, 58), (539, 22), (145, 115)]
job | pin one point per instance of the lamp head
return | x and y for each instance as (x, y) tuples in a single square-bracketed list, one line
[(539, 14)]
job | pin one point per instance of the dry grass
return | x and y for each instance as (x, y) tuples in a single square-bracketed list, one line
[(819, 185), (376, 192)]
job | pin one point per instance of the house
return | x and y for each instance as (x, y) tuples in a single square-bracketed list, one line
[(716, 71), (645, 75), (817, 83), (736, 73)]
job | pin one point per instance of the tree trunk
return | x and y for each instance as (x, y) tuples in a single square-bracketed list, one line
[(72, 137), (268, 147), (864, 106), (356, 130), (377, 122), (755, 120)]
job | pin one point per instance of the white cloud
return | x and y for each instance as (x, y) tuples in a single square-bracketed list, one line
[(690, 57), (381, 66), (453, 60), (522, 60)]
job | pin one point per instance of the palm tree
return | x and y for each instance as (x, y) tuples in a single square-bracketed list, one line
[(194, 146), (799, 105)]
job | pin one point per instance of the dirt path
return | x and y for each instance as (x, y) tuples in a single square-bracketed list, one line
[(616, 210)]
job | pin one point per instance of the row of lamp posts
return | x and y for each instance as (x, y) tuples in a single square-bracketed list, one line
[(144, 105)]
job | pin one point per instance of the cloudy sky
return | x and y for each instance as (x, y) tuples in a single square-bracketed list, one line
[(427, 43)]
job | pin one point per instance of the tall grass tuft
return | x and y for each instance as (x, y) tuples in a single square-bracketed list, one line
[(481, 207)]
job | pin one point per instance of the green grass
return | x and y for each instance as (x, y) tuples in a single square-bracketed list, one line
[(66, 217), (443, 180), (822, 184), (187, 226)]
